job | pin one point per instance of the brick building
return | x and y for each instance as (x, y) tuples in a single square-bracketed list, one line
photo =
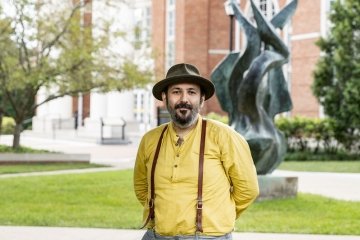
[(198, 32)]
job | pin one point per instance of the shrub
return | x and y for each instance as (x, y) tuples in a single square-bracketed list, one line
[(312, 135), (321, 156), (297, 131), (8, 125), (215, 116)]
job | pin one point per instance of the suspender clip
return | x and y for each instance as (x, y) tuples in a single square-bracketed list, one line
[(199, 204), (151, 203)]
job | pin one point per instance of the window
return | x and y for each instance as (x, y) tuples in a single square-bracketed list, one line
[(139, 105), (170, 34), (267, 8), (142, 28), (328, 8)]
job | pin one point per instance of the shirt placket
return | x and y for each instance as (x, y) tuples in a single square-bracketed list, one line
[(176, 164)]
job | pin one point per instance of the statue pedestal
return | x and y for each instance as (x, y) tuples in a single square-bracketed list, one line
[(273, 187)]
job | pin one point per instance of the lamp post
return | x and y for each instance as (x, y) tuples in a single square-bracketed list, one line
[(230, 12)]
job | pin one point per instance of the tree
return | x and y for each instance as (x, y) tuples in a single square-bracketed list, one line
[(53, 44), (337, 73)]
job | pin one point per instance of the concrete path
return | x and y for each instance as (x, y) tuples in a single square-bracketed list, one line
[(334, 185), (342, 186), (114, 155), (51, 233)]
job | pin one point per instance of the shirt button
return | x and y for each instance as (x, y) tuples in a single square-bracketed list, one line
[(175, 165), (177, 155)]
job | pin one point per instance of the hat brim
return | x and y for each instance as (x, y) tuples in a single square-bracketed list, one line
[(206, 85)]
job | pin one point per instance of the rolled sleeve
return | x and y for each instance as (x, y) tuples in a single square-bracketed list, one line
[(140, 175), (241, 171)]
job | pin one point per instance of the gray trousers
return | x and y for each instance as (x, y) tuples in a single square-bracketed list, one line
[(151, 235)]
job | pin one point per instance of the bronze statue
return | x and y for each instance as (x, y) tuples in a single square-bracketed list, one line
[(251, 86)]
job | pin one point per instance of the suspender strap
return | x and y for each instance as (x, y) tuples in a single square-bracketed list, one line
[(152, 183), (200, 179)]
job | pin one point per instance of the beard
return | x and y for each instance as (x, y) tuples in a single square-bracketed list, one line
[(183, 118)]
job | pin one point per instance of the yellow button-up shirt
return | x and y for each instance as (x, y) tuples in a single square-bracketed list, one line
[(227, 161)]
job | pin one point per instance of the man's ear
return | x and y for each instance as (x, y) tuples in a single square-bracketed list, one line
[(202, 100), (163, 96)]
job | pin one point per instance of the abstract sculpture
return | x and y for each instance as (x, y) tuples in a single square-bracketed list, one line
[(251, 86)]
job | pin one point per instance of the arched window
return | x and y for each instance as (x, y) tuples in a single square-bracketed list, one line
[(267, 7)]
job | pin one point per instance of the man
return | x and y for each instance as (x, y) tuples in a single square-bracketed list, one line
[(193, 176)]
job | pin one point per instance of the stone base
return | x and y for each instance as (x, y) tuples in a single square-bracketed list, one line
[(274, 187), (17, 158), (114, 141)]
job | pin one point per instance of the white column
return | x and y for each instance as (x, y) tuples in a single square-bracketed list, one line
[(53, 114), (120, 105), (98, 105)]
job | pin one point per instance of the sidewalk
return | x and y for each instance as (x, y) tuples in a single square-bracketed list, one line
[(114, 155), (52, 233), (339, 186)]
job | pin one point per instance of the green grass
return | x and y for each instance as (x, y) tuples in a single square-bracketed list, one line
[(307, 213), (322, 166), (307, 155), (21, 149), (106, 199), (41, 167), (82, 200)]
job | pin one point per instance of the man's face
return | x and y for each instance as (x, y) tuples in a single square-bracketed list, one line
[(183, 101)]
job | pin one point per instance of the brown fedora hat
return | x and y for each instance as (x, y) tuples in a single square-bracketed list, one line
[(181, 73)]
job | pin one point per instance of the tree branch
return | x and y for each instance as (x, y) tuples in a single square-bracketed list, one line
[(22, 43), (67, 93), (50, 44)]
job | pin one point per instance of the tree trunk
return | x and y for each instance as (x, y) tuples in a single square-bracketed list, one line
[(16, 139)]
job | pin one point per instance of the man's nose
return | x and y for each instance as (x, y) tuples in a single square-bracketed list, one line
[(184, 97)]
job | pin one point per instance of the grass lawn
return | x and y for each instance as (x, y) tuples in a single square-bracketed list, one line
[(40, 167), (106, 199), (322, 166), (311, 166), (21, 149)]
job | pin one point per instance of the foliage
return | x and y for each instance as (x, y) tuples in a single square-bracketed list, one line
[(217, 117), (307, 138), (107, 200), (312, 139), (8, 125), (309, 134), (50, 45), (295, 130), (337, 73), (321, 156)]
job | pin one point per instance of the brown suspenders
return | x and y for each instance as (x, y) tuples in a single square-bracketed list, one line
[(200, 179), (152, 183), (199, 204)]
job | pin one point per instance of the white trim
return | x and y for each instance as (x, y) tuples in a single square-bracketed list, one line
[(305, 36), (218, 51), (323, 17)]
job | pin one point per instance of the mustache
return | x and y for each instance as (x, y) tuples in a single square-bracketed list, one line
[(183, 105)]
